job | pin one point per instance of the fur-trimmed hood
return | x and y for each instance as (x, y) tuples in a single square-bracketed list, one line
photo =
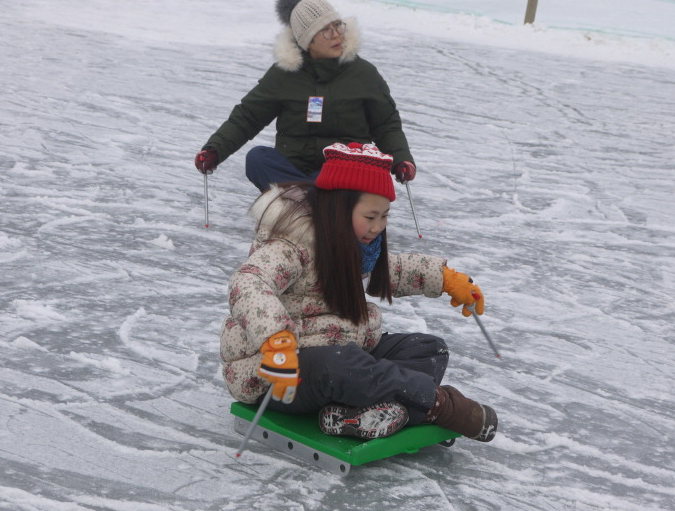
[(272, 205), (289, 56)]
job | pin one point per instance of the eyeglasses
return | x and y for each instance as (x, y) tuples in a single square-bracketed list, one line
[(336, 28)]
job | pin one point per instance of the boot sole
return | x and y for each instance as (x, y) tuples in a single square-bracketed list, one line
[(490, 423), (377, 421)]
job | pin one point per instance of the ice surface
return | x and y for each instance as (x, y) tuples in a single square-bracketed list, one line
[(547, 175)]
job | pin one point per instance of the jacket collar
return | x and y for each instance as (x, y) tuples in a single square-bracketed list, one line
[(289, 56), (268, 208)]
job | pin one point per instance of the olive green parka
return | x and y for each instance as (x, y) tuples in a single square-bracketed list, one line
[(357, 106)]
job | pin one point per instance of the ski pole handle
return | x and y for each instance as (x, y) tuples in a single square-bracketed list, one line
[(256, 419)]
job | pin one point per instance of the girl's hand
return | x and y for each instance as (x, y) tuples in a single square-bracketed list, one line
[(280, 364), (463, 291)]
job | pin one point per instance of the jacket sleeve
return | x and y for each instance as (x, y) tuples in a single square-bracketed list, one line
[(255, 111), (384, 120), (416, 274), (255, 289)]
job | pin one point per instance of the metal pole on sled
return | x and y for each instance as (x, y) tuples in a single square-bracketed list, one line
[(472, 308), (254, 422)]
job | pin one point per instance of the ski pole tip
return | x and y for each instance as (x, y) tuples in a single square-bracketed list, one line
[(206, 225), (420, 236)]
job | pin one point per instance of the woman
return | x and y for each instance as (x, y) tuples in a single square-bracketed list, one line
[(298, 307), (319, 91)]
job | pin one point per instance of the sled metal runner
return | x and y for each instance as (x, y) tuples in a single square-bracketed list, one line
[(300, 436)]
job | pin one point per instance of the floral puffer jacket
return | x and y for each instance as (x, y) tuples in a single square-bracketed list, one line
[(277, 289)]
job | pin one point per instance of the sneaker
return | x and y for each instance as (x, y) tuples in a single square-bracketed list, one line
[(377, 421)]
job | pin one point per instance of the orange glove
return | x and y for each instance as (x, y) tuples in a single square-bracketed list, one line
[(462, 290), (279, 365)]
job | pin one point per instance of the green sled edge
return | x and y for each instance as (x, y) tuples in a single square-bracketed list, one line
[(305, 430)]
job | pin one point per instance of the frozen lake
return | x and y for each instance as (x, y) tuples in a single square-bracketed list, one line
[(548, 178)]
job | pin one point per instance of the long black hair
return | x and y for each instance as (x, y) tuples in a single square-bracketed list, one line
[(338, 256)]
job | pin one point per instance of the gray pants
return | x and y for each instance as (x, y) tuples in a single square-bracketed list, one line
[(405, 368)]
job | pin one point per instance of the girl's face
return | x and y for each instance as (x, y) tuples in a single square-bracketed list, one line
[(369, 217), (327, 43)]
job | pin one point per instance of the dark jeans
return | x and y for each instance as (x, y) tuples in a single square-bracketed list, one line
[(405, 368), (266, 165)]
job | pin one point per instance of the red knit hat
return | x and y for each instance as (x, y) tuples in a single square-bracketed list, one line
[(360, 167)]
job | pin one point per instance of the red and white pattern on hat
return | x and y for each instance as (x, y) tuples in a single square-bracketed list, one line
[(361, 167), (356, 149)]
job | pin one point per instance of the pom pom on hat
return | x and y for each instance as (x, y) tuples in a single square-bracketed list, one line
[(306, 18), (360, 167), (284, 10)]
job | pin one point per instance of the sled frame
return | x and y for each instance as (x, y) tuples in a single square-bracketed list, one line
[(299, 436)]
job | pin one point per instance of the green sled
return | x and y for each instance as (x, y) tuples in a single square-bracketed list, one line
[(301, 437)]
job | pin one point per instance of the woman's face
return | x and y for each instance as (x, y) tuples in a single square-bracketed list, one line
[(369, 217), (322, 48)]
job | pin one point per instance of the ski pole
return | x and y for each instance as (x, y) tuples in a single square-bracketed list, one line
[(255, 421), (206, 201), (472, 308), (417, 225), (206, 189)]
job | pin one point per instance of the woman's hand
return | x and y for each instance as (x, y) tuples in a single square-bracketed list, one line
[(206, 161), (405, 171)]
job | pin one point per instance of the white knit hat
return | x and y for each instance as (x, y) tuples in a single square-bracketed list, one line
[(306, 18)]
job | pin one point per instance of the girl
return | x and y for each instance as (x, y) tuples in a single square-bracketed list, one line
[(298, 308), (319, 91)]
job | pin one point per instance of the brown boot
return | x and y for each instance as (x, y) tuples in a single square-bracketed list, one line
[(458, 413)]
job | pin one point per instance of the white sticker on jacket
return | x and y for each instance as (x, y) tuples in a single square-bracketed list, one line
[(314, 108)]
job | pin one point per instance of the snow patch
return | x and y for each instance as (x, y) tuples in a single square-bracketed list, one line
[(110, 364), (37, 310), (25, 343), (163, 241)]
